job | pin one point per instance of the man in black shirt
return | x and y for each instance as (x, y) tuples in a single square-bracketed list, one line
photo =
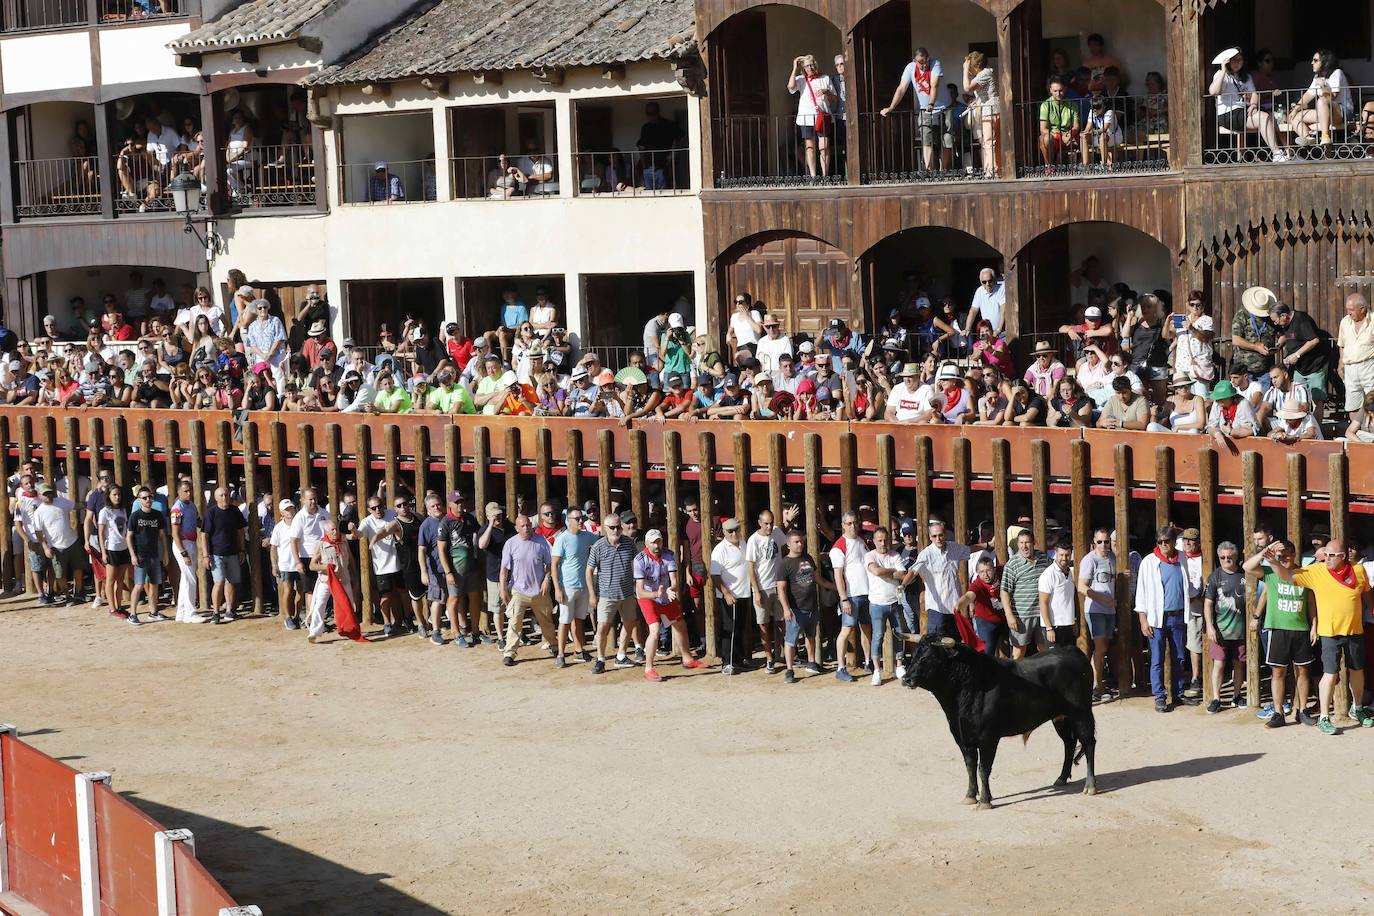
[(490, 540), (407, 554), (657, 140), (464, 580), (798, 591), (1306, 351), (223, 525), (147, 543)]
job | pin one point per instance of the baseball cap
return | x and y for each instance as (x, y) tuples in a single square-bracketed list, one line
[(1093, 312), (653, 535), (674, 320), (456, 497), (285, 504), (378, 166), (675, 380), (908, 526), (730, 524), (46, 488), (480, 342), (246, 292), (730, 381), (492, 509), (806, 346), (629, 517)]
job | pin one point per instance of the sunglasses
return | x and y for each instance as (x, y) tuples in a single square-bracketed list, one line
[(1102, 541), (612, 527)]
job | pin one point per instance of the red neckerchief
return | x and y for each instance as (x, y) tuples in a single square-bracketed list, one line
[(333, 543), (1193, 556), (1345, 575), (922, 78), (1229, 413), (452, 516), (1164, 559), (952, 401)]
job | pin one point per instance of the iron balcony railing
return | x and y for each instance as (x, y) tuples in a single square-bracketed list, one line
[(633, 173), (1094, 136), (397, 182), (58, 187), (32, 15), (137, 10), (271, 176), (769, 151), (1293, 121), (534, 175), (895, 146)]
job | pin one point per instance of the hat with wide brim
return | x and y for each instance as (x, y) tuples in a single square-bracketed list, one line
[(1044, 346), (316, 329), (1225, 56), (1258, 300), (1292, 409), (1224, 389), (631, 375), (910, 370)]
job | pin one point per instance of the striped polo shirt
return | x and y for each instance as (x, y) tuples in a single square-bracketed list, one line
[(1021, 580), (614, 567)]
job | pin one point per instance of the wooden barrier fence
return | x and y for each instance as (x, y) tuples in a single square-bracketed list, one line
[(651, 463)]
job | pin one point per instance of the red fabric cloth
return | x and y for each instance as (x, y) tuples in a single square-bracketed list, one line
[(345, 617), (966, 631), (1345, 575)]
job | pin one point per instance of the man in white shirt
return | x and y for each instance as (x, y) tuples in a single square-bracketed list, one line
[(1057, 615), (52, 526), (162, 140), (730, 576), (382, 534), (989, 302), (847, 559), (940, 566), (773, 344), (887, 576), (911, 401), (306, 530), (764, 553), (785, 377)]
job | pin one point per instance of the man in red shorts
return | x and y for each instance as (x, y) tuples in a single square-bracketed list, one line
[(656, 587)]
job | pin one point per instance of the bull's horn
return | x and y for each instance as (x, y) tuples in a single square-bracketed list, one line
[(911, 638), (948, 641)]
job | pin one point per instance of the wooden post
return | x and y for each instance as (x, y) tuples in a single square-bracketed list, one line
[(481, 462), (1001, 484), (672, 498), (1040, 492), (1126, 623), (276, 434), (1206, 519), (706, 447), (742, 463), (422, 469), (1340, 508), (639, 479), (198, 494), (333, 486), (49, 427), (777, 476), (145, 454), (512, 471), (605, 471), (72, 429), (811, 456), (250, 495), (391, 465), (224, 474), (362, 463), (1250, 493), (1080, 512), (922, 475), (453, 458), (573, 462), (963, 462), (849, 483), (1164, 482), (25, 438), (305, 457), (1297, 491), (543, 465), (120, 443)]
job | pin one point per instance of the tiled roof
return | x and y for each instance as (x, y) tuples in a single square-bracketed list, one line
[(253, 23), (454, 36)]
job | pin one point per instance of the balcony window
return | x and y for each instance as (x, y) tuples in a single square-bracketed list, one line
[(33, 15), (504, 152), (154, 138), (390, 159), (632, 147), (269, 155), (55, 160)]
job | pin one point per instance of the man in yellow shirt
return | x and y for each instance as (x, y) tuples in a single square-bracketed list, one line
[(1338, 587)]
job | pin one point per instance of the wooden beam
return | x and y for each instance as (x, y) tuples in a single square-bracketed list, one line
[(377, 90), (250, 496), (1001, 487), (543, 464), (1126, 627), (777, 445), (1206, 519), (639, 478), (573, 463), (605, 465), (435, 84), (1040, 492), (1080, 515), (512, 479), (961, 456), (706, 469), (742, 458), (481, 460)]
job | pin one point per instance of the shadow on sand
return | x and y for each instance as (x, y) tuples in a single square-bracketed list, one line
[(1125, 779), (282, 879)]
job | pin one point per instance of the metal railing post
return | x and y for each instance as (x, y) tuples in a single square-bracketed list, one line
[(86, 840)]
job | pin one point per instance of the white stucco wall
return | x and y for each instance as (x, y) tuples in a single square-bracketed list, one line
[(1134, 31), (28, 62), (270, 58), (135, 54)]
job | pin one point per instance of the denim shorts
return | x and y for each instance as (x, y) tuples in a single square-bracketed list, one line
[(148, 571), (1101, 626), (859, 605), (38, 561), (225, 569), (802, 625)]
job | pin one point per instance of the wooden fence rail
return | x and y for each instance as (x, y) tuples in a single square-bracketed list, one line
[(649, 466)]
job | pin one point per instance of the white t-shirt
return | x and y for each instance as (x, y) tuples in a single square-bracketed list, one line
[(728, 562), (847, 559), (939, 569), (806, 104), (54, 523), (163, 144), (1233, 93), (744, 330), (214, 313), (542, 314), (309, 530), (882, 590), (766, 554), (769, 349), (1099, 575), (1058, 584), (116, 522), (287, 561), (977, 557), (990, 304), (385, 558), (906, 405), (1337, 85)]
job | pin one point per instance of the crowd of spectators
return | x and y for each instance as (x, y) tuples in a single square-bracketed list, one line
[(1128, 361)]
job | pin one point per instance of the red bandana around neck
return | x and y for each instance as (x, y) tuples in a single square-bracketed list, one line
[(1163, 559), (1345, 575)]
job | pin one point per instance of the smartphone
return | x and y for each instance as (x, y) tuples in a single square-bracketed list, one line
[(1178, 322)]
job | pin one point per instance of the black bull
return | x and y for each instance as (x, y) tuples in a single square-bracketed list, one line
[(987, 699)]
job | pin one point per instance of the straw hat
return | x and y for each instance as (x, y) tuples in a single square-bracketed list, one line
[(1044, 346), (1292, 409), (1258, 300)]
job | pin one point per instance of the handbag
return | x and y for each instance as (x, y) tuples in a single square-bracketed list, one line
[(822, 124)]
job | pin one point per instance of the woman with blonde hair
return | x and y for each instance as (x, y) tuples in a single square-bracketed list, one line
[(815, 111), (980, 79)]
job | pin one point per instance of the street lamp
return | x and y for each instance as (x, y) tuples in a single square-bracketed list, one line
[(185, 189)]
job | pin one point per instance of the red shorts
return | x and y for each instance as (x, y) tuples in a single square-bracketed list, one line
[(652, 611), (97, 567)]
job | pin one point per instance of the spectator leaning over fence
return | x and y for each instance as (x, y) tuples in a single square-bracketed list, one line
[(1338, 588), (147, 545), (223, 525), (1355, 338), (1281, 608), (1231, 416), (1283, 389), (925, 75), (1021, 595), (611, 590), (1162, 595)]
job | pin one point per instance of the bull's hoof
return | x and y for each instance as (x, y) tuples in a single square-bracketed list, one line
[(1060, 782), (1090, 788), (968, 800), (984, 806)]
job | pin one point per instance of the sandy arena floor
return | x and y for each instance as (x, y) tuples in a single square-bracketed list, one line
[(404, 778)]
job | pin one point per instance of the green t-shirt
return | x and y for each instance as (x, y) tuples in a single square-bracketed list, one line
[(1021, 580), (455, 401), (1285, 605), (1060, 116), (675, 358), (394, 401)]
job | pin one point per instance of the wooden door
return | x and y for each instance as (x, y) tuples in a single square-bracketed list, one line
[(602, 302), (804, 281)]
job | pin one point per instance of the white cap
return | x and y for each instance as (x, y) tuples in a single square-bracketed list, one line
[(1092, 312), (507, 379), (949, 373), (653, 535), (379, 166), (245, 291), (674, 320), (417, 333), (807, 347), (285, 504)]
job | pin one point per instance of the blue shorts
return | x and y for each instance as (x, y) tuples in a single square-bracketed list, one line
[(859, 605), (802, 624), (38, 561), (1101, 626), (290, 577), (148, 571), (225, 569)]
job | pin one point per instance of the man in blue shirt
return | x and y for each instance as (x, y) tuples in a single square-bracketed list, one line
[(570, 551), (383, 186), (513, 314)]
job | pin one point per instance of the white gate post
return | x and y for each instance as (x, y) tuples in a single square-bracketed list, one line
[(163, 843), (86, 840), (6, 730)]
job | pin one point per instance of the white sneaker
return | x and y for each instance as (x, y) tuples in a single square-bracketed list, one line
[(877, 678), (1280, 156), (197, 618), (901, 672)]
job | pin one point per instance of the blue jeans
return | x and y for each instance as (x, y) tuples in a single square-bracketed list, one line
[(909, 618), (940, 623), (859, 605), (880, 615), (991, 633), (1173, 633)]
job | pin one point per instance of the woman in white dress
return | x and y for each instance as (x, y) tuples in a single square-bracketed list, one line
[(238, 156), (815, 111), (1326, 103)]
